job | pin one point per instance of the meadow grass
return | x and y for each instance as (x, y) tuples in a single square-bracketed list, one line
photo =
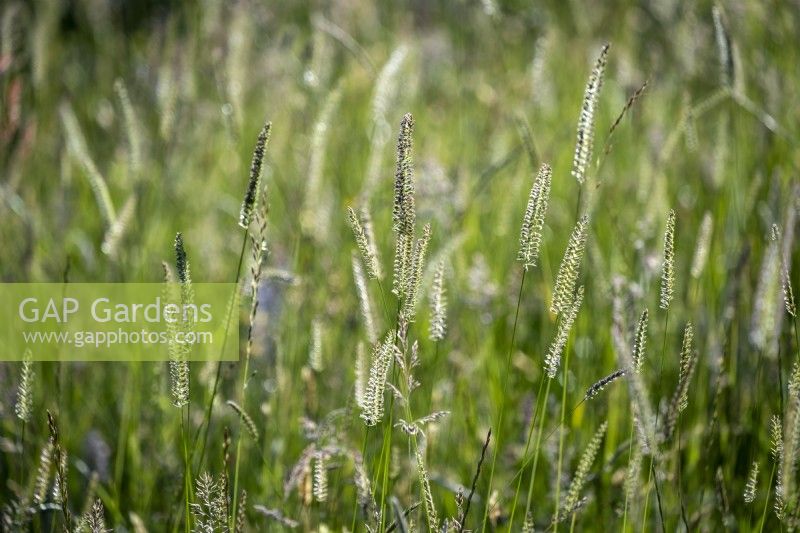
[(498, 266)]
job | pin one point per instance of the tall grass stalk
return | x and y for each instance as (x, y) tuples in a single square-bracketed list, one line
[(386, 454), (796, 337), (665, 299), (525, 453), (651, 467), (22, 407), (530, 247), (205, 426), (561, 440), (355, 499), (463, 518), (386, 447), (680, 474), (630, 455), (187, 488), (245, 375), (537, 447), (766, 498), (247, 211), (430, 513), (499, 418)]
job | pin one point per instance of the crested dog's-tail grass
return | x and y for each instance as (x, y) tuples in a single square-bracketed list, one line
[(724, 47), (438, 303), (382, 357), (680, 399), (77, 147), (403, 208), (703, 246), (640, 341), (553, 358), (60, 490), (315, 214), (572, 498), (766, 306), (752, 483), (253, 183), (601, 384), (247, 421), (530, 240), (569, 270), (132, 129), (666, 294), (529, 248), (24, 400), (668, 266), (776, 454), (586, 122), (559, 344), (22, 407), (366, 246), (384, 94), (364, 302)]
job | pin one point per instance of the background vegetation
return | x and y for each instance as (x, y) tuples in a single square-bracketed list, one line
[(163, 104)]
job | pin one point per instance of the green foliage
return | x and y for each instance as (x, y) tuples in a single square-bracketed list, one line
[(122, 127)]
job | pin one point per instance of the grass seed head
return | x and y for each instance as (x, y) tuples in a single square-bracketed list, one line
[(403, 210), (438, 301), (363, 300), (320, 488), (315, 348), (251, 195), (668, 268), (601, 384), (77, 148), (640, 342), (776, 452), (752, 482), (688, 361), (43, 473), (427, 495), (530, 239), (382, 356), (569, 270), (181, 263), (365, 248), (416, 271), (573, 495), (22, 408), (724, 48), (131, 127), (788, 293), (241, 513), (584, 143), (701, 250), (553, 358), (248, 422), (766, 307)]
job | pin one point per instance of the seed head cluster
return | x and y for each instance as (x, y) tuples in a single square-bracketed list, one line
[(584, 144), (668, 268), (568, 272), (530, 239), (251, 195), (553, 358)]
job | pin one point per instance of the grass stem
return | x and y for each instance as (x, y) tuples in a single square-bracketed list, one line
[(561, 439), (498, 440)]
